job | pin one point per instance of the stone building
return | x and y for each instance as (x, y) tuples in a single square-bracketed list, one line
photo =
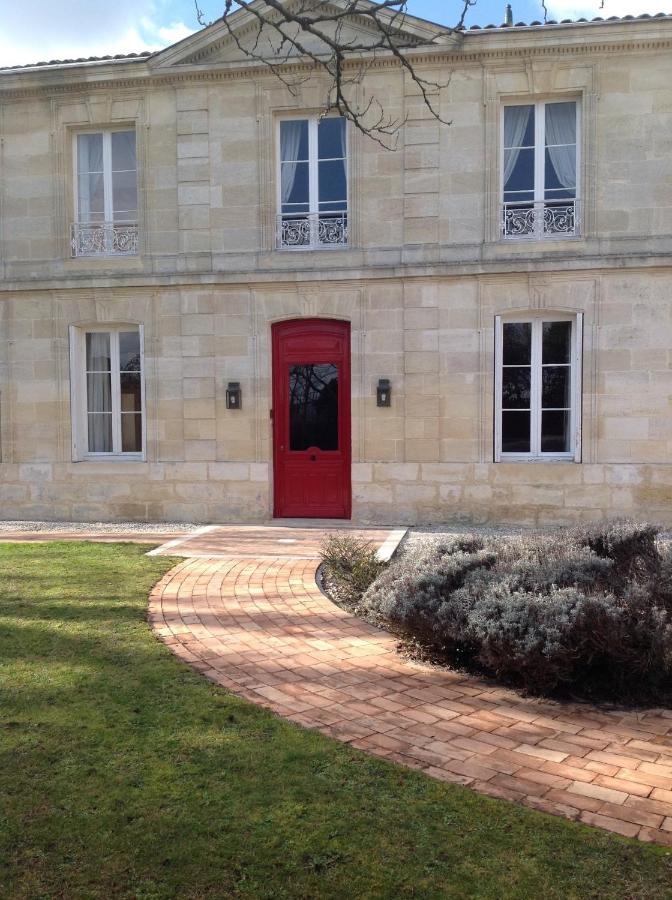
[(217, 305)]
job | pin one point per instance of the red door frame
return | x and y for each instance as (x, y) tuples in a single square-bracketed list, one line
[(311, 483)]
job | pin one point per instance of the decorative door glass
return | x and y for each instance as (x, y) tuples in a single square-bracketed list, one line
[(313, 406)]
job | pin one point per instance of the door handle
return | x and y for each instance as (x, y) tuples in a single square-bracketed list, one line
[(313, 457)]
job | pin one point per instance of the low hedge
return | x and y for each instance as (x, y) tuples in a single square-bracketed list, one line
[(585, 612)]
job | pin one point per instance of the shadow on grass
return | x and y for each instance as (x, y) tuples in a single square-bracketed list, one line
[(125, 774)]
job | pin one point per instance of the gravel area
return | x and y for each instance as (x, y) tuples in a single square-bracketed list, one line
[(97, 527), (425, 534)]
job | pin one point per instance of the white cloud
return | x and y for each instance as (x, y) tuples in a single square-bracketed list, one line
[(34, 31), (589, 9)]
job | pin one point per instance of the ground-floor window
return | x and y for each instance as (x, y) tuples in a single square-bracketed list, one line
[(107, 392), (538, 387)]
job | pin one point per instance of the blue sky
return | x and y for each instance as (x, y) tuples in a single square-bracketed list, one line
[(33, 30)]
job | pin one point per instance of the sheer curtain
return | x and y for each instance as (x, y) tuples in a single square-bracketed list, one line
[(561, 130), (90, 177), (290, 138), (516, 119), (99, 394)]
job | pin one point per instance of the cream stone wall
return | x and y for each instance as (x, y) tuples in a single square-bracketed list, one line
[(421, 283)]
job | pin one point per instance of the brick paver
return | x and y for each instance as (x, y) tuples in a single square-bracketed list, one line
[(261, 628)]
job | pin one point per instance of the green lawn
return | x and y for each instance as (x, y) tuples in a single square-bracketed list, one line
[(124, 774)]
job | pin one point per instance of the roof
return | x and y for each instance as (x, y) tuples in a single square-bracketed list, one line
[(139, 57), (118, 57)]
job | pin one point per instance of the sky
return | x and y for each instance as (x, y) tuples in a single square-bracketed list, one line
[(36, 30)]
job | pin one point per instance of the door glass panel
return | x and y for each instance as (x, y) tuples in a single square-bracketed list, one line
[(517, 344), (556, 346), (555, 431), (515, 432), (313, 407), (516, 387)]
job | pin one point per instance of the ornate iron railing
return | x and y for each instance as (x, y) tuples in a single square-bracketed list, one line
[(104, 239), (312, 231), (541, 221)]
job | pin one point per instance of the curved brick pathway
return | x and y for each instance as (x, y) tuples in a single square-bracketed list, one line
[(261, 628)]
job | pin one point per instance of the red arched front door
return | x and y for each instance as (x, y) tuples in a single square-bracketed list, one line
[(311, 419)]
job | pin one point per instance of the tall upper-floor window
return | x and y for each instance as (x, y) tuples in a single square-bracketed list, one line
[(312, 183), (540, 171), (107, 392), (106, 194), (538, 388)]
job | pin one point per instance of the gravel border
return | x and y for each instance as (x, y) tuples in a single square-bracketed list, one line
[(13, 526)]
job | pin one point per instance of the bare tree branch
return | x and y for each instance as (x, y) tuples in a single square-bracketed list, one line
[(316, 34)]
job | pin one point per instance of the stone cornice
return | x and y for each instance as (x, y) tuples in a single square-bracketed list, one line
[(477, 48), (561, 268)]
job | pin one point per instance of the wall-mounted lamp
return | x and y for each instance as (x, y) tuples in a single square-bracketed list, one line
[(234, 398), (383, 392)]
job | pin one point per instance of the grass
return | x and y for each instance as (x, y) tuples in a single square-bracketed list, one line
[(125, 774)]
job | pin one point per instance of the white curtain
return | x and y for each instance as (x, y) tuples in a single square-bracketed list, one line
[(561, 129), (91, 204), (99, 395), (515, 126), (290, 138), (344, 143), (124, 177)]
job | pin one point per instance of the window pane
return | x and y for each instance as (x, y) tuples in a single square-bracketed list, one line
[(98, 351), (98, 392), (556, 342), (556, 387), (131, 433), (89, 153), (331, 138), (521, 177), (333, 186), (517, 343), (515, 432), (294, 140), (560, 176), (100, 432), (555, 436), (516, 388), (124, 196), (129, 351), (518, 126), (123, 151), (131, 397), (313, 407), (90, 198), (294, 185), (560, 123)]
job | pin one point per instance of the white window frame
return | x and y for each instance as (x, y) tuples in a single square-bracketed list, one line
[(540, 167), (106, 238), (313, 177), (535, 454), (107, 170), (78, 393)]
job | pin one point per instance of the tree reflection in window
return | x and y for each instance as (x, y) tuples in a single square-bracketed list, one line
[(313, 407)]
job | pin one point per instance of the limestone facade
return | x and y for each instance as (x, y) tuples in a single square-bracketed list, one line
[(423, 280)]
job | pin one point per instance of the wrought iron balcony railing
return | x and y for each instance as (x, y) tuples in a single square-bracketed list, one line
[(104, 239), (541, 221), (312, 231)]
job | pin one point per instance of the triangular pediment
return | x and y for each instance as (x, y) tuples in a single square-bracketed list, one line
[(239, 39)]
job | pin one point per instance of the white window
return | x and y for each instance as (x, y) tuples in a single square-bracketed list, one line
[(107, 392), (312, 183), (539, 171), (106, 193), (538, 388)]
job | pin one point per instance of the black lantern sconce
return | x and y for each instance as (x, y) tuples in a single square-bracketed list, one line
[(234, 399), (383, 392)]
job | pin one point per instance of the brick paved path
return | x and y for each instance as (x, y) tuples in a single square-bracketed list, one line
[(261, 628)]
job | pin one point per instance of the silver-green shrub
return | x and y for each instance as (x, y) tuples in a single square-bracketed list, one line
[(584, 611)]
